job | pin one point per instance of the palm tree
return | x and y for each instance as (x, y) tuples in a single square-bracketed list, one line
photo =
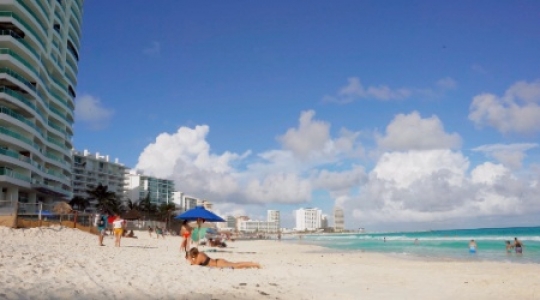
[(164, 212), (106, 200), (146, 206), (130, 204), (79, 202)]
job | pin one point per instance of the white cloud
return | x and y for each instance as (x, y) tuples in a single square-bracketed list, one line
[(89, 110), (412, 132), (447, 83), (421, 178), (355, 90), (153, 50), (511, 155), (517, 111)]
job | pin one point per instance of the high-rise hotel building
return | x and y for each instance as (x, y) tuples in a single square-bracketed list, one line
[(39, 53), (139, 186)]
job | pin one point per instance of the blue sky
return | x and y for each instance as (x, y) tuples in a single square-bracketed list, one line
[(409, 114)]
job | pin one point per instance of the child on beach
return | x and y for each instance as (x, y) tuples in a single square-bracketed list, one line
[(472, 247), (201, 259), (509, 247)]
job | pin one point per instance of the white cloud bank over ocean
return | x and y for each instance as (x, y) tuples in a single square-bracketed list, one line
[(417, 174)]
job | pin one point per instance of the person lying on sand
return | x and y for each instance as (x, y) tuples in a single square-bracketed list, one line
[(200, 258)]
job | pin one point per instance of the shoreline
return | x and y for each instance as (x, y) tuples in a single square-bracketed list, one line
[(58, 263)]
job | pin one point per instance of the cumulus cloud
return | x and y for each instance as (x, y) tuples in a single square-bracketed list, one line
[(277, 176), (412, 132), (432, 186), (90, 111), (153, 50), (517, 111), (511, 155), (311, 140), (420, 177)]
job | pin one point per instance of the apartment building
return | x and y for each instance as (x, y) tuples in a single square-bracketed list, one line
[(90, 170), (339, 219), (39, 54), (308, 218), (139, 186)]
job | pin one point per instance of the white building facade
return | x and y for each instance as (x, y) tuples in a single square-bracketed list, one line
[(257, 226), (339, 219), (39, 54), (273, 216), (90, 170), (138, 186), (308, 219)]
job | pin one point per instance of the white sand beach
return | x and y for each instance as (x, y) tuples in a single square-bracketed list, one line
[(65, 263)]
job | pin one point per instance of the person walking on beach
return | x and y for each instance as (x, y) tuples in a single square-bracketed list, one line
[(118, 227), (101, 224), (159, 232), (185, 232), (472, 247), (201, 259), (150, 231), (518, 246)]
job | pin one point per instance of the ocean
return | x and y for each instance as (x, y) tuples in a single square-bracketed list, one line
[(438, 244)]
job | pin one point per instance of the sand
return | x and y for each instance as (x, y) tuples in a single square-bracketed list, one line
[(65, 263)]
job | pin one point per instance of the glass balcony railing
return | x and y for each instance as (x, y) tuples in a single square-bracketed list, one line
[(20, 40), (9, 172), (58, 113), (18, 96), (19, 77), (75, 24), (44, 10), (56, 142), (55, 158), (36, 18), (18, 58), (58, 15), (8, 111), (24, 24), (17, 136), (73, 65)]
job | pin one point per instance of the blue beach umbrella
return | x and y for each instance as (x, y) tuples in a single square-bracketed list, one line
[(198, 213)]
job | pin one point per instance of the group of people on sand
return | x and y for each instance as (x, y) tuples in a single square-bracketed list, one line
[(517, 246), (118, 227)]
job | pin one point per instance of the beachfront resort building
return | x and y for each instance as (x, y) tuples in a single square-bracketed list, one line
[(231, 222), (308, 219), (140, 186), (39, 54), (90, 170), (273, 216), (258, 226), (339, 219)]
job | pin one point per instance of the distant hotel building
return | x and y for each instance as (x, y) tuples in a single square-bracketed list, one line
[(273, 216), (39, 54), (231, 222), (339, 220), (139, 186), (90, 170), (308, 218), (258, 226)]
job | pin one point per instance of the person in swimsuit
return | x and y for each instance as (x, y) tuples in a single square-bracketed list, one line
[(518, 246), (472, 246), (185, 232), (200, 258)]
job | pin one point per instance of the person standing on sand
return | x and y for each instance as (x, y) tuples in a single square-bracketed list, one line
[(101, 224), (150, 231), (185, 232), (118, 227), (472, 246)]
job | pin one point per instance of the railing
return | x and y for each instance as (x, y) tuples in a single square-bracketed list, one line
[(75, 38), (36, 18), (43, 9), (13, 174), (75, 24), (8, 111), (58, 113), (57, 14), (20, 40), (19, 58), (20, 157), (55, 158), (24, 24), (17, 135), (20, 97), (19, 77)]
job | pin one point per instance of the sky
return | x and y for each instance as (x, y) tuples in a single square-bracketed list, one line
[(410, 115)]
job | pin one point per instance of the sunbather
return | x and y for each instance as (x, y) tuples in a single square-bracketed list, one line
[(200, 258)]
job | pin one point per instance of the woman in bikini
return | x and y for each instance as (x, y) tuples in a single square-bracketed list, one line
[(200, 258), (518, 246), (185, 232)]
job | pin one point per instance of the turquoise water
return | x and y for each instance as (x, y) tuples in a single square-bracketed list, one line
[(439, 244)]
